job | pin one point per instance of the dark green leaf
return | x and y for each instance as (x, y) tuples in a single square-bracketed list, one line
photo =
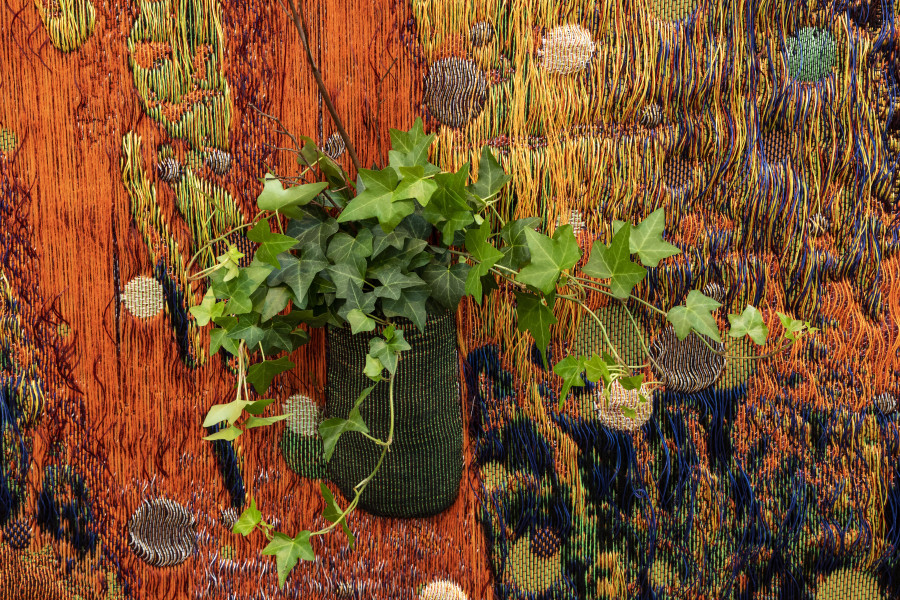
[(298, 274), (515, 253), (480, 248), (257, 408), (345, 248), (313, 231), (270, 244), (491, 176), (631, 383), (570, 369), (333, 513), (536, 318), (448, 285), (248, 330), (332, 429), (410, 304), (276, 299), (261, 374)]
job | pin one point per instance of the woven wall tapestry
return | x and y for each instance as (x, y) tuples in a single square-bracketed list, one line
[(134, 133)]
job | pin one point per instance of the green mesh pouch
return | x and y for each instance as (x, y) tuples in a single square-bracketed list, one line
[(421, 474)]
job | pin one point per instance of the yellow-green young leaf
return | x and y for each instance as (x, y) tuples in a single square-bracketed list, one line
[(646, 239), (275, 198), (333, 512), (249, 519), (696, 315), (613, 262), (751, 323), (414, 185), (360, 321), (535, 317), (252, 422), (231, 433), (377, 200), (373, 368), (793, 328), (288, 552), (229, 413), (628, 411), (570, 369), (208, 309)]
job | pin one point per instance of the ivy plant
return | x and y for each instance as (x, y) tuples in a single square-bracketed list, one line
[(399, 243)]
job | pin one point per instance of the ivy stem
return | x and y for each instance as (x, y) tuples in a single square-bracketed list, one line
[(211, 242), (300, 25), (360, 487)]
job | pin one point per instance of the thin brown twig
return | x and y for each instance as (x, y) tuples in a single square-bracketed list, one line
[(300, 24)]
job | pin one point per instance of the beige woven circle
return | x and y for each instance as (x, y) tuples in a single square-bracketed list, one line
[(143, 297), (612, 415), (303, 415), (566, 49), (442, 590)]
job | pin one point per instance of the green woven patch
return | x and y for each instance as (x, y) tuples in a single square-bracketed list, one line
[(810, 54), (303, 454), (8, 140)]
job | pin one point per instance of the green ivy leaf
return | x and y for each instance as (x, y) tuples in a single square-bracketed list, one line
[(515, 253), (270, 244), (276, 299), (448, 284), (298, 274), (613, 262), (480, 248), (410, 304), (373, 369), (261, 374), (332, 429), (333, 513), (410, 148), (218, 338), (208, 309), (360, 321), (597, 369), (751, 323), (549, 258), (628, 411), (228, 434), (793, 328), (312, 231), (646, 239), (570, 369), (415, 186), (257, 408), (250, 518), (275, 198), (393, 280), (228, 413), (631, 383), (449, 208), (696, 314), (536, 318), (388, 349), (377, 200), (491, 176), (288, 552), (252, 422), (248, 329), (345, 248)]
